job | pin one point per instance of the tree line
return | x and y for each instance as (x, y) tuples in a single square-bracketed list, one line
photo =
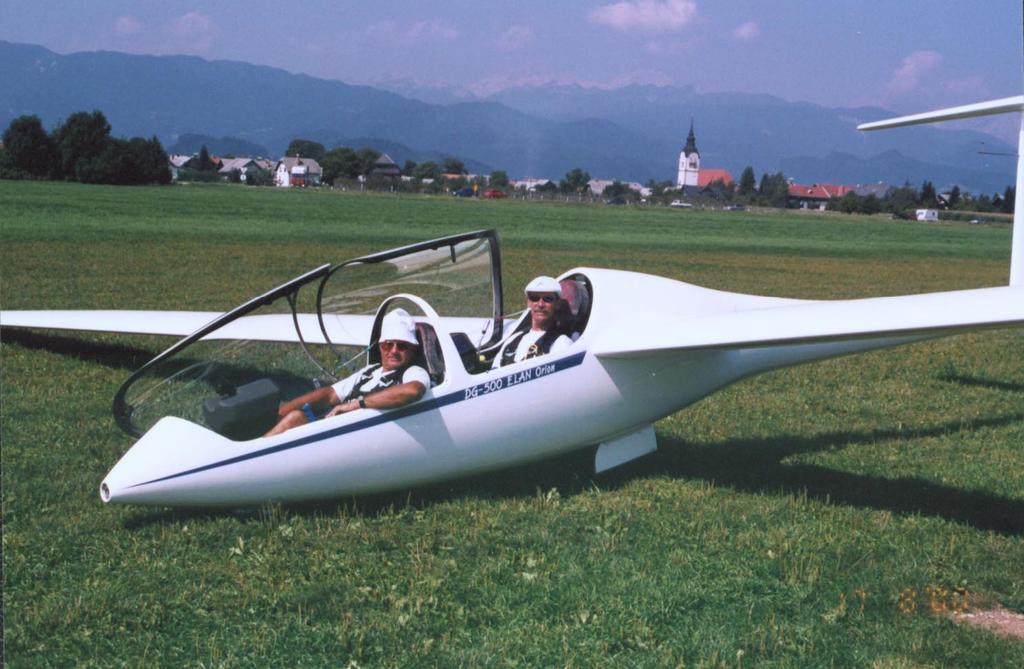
[(80, 149)]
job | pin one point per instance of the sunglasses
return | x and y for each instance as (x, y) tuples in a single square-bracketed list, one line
[(547, 297), (400, 346)]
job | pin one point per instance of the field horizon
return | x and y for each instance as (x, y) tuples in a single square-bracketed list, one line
[(834, 514)]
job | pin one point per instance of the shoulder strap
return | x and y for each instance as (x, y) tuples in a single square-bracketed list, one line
[(508, 353), (365, 374), (543, 345)]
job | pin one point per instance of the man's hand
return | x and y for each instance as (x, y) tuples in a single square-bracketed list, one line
[(344, 407)]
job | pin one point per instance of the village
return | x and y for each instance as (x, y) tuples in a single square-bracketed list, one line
[(694, 186), (81, 149)]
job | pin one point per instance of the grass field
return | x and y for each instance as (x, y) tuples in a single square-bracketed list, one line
[(826, 515)]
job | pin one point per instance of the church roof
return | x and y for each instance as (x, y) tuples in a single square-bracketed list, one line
[(706, 176)]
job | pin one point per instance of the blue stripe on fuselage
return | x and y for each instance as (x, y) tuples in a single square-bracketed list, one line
[(479, 390)]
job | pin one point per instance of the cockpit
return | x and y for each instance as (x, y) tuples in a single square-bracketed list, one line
[(231, 375)]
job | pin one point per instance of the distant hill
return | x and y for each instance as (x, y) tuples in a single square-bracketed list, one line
[(808, 142), (632, 133)]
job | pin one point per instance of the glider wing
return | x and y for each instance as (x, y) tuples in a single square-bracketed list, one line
[(927, 315), (345, 330)]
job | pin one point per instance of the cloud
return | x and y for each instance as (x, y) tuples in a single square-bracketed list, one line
[(195, 32), (646, 15), (127, 25), (435, 29), (671, 48), (973, 86), (748, 30), (515, 38), (908, 75)]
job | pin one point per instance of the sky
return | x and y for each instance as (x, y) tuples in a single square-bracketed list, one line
[(903, 55)]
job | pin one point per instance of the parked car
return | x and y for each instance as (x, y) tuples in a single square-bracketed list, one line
[(616, 200), (464, 192), (679, 204), (735, 207), (494, 194)]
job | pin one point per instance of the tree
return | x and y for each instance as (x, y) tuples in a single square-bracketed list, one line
[(367, 159), (954, 197), (774, 190), (927, 198), (748, 183), (720, 190), (659, 188), (82, 137), (306, 148), (408, 168), (902, 199), (29, 148), (575, 181), (499, 179), (128, 162), (203, 162), (619, 189), (852, 203), (452, 165), (427, 170), (259, 177), (1009, 196), (340, 162)]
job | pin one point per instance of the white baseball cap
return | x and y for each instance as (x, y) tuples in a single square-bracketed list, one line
[(398, 326), (543, 284)]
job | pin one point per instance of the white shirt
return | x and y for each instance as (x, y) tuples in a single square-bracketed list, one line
[(344, 387), (526, 341)]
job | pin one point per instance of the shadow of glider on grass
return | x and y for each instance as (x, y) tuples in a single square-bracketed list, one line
[(645, 347)]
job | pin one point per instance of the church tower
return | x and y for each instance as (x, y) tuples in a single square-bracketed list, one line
[(689, 162)]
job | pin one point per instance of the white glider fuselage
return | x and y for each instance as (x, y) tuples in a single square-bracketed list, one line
[(471, 423)]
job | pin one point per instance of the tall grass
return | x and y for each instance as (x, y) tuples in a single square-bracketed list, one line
[(827, 515)]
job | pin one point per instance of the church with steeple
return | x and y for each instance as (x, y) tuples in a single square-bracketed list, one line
[(690, 178), (689, 162)]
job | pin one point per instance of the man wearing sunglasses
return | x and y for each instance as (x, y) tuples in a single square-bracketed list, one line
[(392, 383), (543, 300)]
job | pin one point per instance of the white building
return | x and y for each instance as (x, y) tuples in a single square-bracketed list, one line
[(689, 163), (296, 171)]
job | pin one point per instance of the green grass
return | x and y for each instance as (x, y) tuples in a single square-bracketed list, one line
[(800, 518)]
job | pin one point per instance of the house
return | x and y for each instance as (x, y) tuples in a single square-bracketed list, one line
[(529, 183), (297, 171), (177, 162), (243, 165), (384, 166), (815, 196), (881, 190), (597, 186)]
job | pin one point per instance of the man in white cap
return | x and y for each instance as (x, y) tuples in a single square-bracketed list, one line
[(543, 298), (392, 383)]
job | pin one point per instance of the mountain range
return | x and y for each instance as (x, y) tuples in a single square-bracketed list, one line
[(630, 133)]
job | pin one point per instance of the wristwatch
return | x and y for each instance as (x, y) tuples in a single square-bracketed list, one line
[(362, 403)]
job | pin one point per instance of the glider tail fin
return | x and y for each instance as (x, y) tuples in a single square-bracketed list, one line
[(1002, 106)]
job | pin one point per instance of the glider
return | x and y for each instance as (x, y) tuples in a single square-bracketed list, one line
[(200, 407)]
